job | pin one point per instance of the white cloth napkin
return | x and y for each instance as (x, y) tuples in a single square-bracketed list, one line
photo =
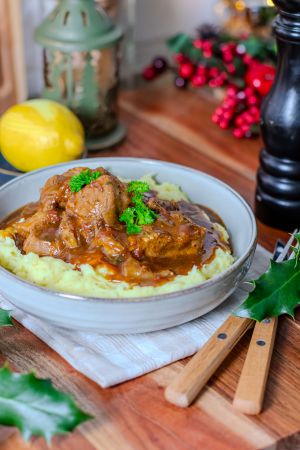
[(109, 360)]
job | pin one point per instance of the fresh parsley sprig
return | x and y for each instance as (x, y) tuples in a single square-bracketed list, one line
[(84, 178), (139, 214)]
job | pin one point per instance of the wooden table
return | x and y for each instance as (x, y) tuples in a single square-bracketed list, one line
[(171, 125)]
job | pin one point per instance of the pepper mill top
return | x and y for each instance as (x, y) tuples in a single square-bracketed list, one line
[(287, 23), (278, 178), (288, 6)]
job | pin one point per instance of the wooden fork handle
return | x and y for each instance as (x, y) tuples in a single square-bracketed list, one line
[(249, 395), (183, 390)]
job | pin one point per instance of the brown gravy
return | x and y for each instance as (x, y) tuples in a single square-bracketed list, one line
[(94, 257)]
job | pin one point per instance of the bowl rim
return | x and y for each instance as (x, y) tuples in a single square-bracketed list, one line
[(141, 299)]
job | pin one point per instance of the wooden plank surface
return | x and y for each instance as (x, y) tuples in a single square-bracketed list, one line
[(175, 126)]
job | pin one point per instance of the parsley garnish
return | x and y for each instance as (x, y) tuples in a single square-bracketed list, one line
[(85, 177), (138, 187), (139, 214)]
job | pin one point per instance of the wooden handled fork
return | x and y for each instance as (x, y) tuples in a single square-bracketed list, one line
[(249, 396), (187, 385)]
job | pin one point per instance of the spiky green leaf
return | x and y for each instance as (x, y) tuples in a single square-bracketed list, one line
[(35, 407), (180, 43), (276, 292)]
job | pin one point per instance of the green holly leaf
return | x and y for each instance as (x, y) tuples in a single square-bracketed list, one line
[(262, 49), (35, 407), (239, 67), (254, 46), (276, 292), (180, 43), (5, 319)]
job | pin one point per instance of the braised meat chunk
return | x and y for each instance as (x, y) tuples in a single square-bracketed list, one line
[(98, 205), (91, 217), (170, 237)]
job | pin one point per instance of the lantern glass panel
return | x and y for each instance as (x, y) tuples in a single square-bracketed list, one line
[(86, 82)]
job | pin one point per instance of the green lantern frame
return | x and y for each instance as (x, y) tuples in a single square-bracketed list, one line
[(81, 61)]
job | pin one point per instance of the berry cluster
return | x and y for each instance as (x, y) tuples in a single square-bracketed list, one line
[(209, 61), (240, 108)]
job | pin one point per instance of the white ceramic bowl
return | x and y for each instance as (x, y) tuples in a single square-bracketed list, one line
[(112, 316)]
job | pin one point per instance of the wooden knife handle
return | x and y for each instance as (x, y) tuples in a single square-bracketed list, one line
[(249, 395), (193, 377)]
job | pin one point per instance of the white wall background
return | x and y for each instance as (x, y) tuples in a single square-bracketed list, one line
[(155, 20)]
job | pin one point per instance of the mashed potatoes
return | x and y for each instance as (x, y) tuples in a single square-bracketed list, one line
[(60, 276)]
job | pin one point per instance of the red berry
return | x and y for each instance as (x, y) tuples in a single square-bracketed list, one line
[(149, 73), (207, 49), (245, 127), (207, 53), (247, 59), (230, 68), (213, 72), (230, 103), (215, 118), (201, 69), (206, 45), (227, 57), (248, 118), (180, 58), (198, 80), (249, 91), (222, 78), (239, 120), (252, 100), (217, 82), (254, 110), (238, 133), (224, 124), (198, 43), (227, 115), (224, 47), (219, 111), (231, 91), (186, 70)]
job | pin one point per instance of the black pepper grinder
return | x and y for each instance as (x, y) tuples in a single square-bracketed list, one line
[(278, 178)]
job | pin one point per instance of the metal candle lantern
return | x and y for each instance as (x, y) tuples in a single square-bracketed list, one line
[(81, 59), (278, 178)]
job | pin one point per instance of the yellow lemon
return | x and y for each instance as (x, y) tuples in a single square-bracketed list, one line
[(38, 133)]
